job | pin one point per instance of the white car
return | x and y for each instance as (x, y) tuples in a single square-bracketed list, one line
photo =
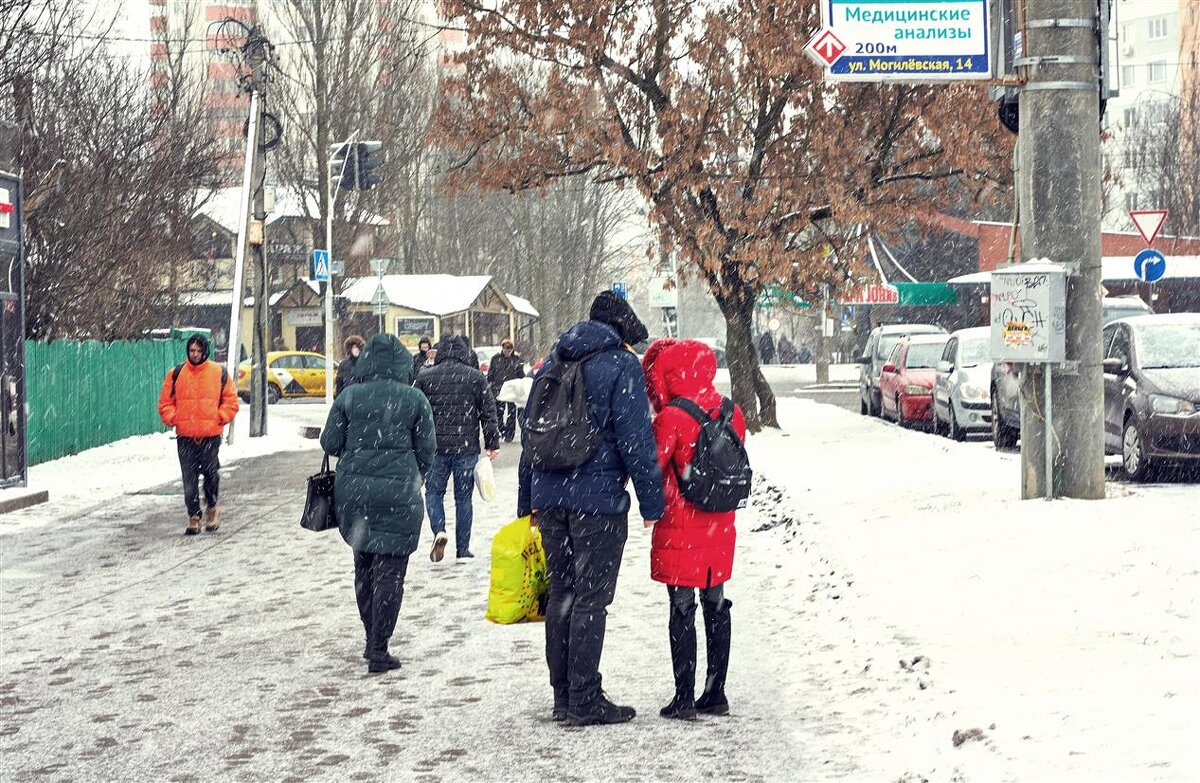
[(961, 394)]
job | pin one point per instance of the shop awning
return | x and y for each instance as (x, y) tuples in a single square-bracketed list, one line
[(926, 294)]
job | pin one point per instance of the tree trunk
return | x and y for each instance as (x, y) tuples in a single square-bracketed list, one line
[(750, 389)]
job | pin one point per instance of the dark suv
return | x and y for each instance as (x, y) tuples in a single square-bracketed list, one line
[(1006, 377)]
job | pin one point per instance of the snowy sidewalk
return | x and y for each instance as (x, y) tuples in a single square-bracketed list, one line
[(1069, 626), (130, 652)]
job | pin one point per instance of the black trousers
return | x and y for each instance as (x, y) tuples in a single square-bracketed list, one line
[(199, 458), (379, 589), (583, 558), (506, 418)]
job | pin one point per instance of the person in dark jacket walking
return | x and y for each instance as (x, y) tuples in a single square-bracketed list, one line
[(462, 405), (345, 370), (692, 549), (381, 431), (583, 512), (421, 355), (508, 365), (766, 348)]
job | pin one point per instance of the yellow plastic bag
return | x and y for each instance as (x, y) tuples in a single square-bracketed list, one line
[(519, 578)]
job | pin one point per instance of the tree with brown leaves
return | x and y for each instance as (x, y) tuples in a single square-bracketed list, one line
[(731, 136)]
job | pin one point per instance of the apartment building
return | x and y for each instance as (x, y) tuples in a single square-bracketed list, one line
[(1156, 45), (186, 33)]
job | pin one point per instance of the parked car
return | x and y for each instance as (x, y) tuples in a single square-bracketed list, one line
[(1152, 391), (880, 343), (960, 394), (1005, 386), (289, 374), (906, 379)]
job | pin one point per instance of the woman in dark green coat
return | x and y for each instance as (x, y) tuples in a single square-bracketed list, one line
[(381, 430)]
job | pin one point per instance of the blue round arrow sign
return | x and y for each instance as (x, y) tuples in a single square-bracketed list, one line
[(1150, 265)]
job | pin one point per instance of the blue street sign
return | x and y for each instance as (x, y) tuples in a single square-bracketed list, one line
[(619, 288), (1150, 265), (321, 266)]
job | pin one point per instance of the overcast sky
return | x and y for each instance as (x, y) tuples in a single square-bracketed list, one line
[(130, 20)]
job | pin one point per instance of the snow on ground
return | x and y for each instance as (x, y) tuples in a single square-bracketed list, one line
[(799, 374), (1068, 626), (91, 477), (889, 592)]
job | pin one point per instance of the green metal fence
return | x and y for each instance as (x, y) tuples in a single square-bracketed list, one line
[(86, 394)]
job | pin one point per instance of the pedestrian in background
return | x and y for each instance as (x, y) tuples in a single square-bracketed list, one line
[(787, 351), (766, 348), (381, 431), (462, 405), (692, 550), (505, 366), (422, 354), (345, 370), (198, 399), (583, 510)]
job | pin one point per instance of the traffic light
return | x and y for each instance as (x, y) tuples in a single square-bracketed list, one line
[(342, 162), (369, 155)]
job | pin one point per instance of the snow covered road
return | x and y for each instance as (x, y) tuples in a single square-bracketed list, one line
[(132, 653)]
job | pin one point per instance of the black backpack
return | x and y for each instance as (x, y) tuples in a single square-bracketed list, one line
[(719, 477), (559, 434)]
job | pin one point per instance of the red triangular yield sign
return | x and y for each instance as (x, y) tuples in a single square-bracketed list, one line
[(1149, 222)]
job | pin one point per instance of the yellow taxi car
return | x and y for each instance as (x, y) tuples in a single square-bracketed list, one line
[(289, 374)]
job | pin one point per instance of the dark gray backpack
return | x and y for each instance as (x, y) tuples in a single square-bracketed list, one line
[(559, 434)]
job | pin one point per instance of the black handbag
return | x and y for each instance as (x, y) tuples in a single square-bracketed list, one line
[(319, 512)]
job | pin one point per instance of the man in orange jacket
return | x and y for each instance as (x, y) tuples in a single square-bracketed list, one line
[(198, 399)]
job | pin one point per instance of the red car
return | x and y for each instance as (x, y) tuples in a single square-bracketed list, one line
[(906, 381)]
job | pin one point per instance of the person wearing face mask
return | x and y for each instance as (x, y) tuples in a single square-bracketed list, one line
[(345, 371), (198, 399)]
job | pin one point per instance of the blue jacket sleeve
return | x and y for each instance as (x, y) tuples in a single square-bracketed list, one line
[(524, 486), (635, 437)]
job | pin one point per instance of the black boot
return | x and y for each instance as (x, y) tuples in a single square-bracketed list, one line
[(378, 664), (682, 627), (717, 634)]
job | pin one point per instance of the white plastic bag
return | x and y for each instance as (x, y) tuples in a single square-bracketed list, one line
[(515, 391), (485, 478)]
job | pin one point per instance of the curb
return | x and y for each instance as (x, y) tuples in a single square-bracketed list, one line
[(23, 501)]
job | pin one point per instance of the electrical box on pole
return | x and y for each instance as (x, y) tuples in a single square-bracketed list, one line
[(1029, 313)]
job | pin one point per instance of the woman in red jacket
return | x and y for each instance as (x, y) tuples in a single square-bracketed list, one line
[(692, 549)]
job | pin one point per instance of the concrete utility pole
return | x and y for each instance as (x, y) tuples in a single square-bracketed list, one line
[(1059, 188), (258, 55), (250, 241)]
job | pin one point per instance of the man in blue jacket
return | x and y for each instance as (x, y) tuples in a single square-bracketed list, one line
[(583, 512)]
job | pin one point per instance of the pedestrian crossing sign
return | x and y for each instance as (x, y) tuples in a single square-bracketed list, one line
[(320, 266)]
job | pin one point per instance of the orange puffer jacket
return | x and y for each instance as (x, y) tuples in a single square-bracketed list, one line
[(200, 407)]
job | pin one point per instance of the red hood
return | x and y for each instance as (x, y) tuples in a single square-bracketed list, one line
[(653, 381), (686, 368)]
